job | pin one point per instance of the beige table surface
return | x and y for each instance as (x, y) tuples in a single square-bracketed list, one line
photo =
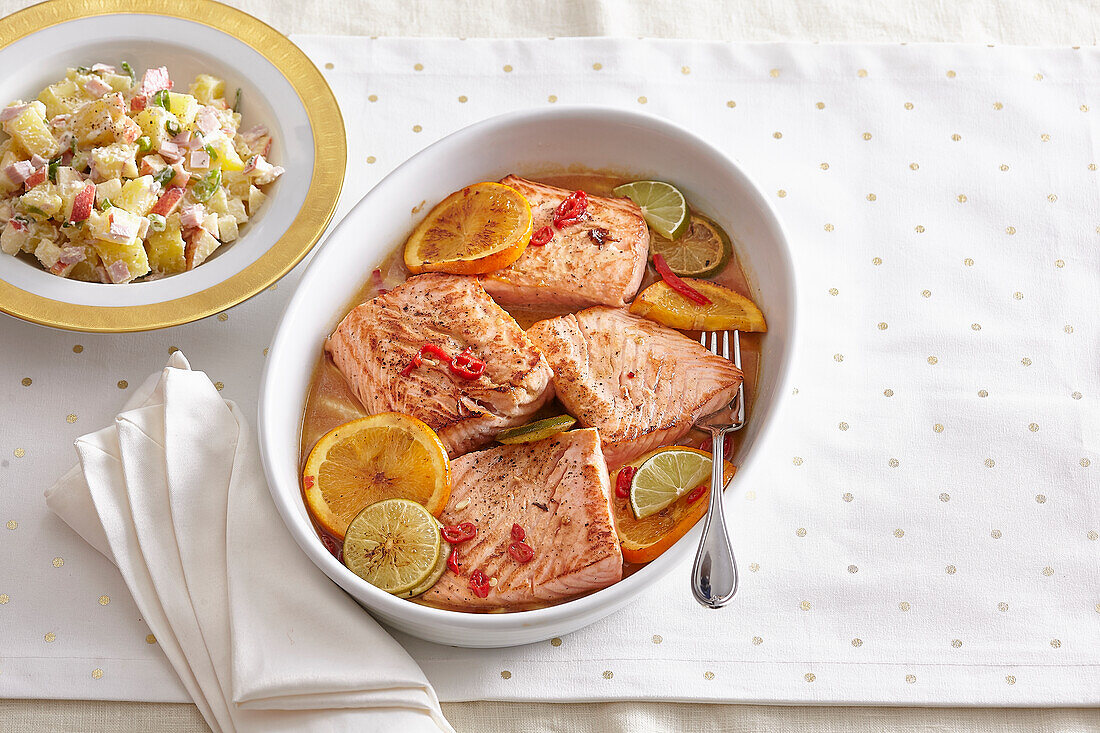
[(1020, 22)]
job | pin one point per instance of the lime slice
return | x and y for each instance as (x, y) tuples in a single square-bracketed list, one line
[(437, 571), (665, 477), (538, 430), (393, 545), (663, 206), (702, 251)]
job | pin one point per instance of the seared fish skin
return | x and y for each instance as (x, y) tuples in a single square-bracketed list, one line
[(575, 269), (378, 340), (641, 384), (558, 491)]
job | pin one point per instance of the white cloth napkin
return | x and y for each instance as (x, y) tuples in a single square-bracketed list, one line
[(173, 493)]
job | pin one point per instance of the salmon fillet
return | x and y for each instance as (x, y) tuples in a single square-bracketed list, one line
[(380, 338), (573, 269), (641, 384), (559, 492)]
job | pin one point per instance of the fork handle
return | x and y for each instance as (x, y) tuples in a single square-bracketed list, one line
[(714, 574)]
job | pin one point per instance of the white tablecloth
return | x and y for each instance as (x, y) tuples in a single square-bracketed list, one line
[(922, 528)]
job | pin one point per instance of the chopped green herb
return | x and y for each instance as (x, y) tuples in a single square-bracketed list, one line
[(211, 151), (157, 222), (145, 144), (164, 176), (207, 185), (105, 205), (237, 101), (160, 99), (129, 70), (72, 145), (51, 170), (83, 69), (172, 127), (34, 210)]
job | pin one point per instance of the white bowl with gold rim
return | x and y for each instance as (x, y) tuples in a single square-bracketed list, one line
[(277, 81), (521, 142)]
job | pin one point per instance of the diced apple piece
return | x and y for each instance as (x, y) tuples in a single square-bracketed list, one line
[(207, 88), (82, 202), (168, 201), (167, 249), (227, 228), (200, 245), (137, 196), (14, 236), (184, 107), (30, 131), (47, 253)]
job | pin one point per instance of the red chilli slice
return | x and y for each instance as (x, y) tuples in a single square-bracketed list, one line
[(521, 552), (542, 236), (517, 533), (479, 584), (571, 209), (676, 283), (694, 494), (456, 534), (622, 483), (452, 562)]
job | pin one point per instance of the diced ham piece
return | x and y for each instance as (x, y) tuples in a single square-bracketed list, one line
[(168, 201), (183, 139), (151, 164), (106, 68), (38, 161), (82, 203), (118, 271), (170, 150), (207, 119), (257, 139), (262, 171), (19, 171), (11, 112), (71, 255), (155, 80), (35, 178), (192, 216), (200, 159), (138, 102), (60, 121), (96, 87), (124, 226)]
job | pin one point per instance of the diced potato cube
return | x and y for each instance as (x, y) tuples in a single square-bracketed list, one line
[(210, 223), (47, 253), (132, 254), (235, 207), (137, 196), (218, 202), (86, 269), (115, 225), (201, 246), (237, 183), (227, 228), (41, 200), (184, 107), (228, 159), (30, 131), (118, 82), (167, 249), (256, 199), (152, 120), (207, 88), (99, 122), (114, 161), (13, 238), (107, 191), (61, 98)]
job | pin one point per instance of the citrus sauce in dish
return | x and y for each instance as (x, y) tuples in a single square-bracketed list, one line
[(331, 403)]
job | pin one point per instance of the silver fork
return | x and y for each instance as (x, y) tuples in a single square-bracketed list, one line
[(714, 574)]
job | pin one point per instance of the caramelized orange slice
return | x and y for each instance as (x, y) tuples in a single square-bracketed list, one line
[(726, 311)]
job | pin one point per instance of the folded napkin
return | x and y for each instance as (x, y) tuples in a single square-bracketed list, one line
[(173, 493)]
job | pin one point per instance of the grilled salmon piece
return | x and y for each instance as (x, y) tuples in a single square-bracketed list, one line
[(599, 260), (641, 384), (379, 339), (558, 491)]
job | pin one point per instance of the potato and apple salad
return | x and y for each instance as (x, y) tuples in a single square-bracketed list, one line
[(111, 177)]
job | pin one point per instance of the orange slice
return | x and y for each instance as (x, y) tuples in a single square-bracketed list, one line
[(643, 540), (378, 457), (727, 310), (482, 228)]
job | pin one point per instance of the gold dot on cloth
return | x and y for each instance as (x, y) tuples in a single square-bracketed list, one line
[(838, 357), (1092, 535), (951, 74), (265, 351), (58, 562), (1002, 606), (945, 497), (797, 460), (19, 452), (801, 532), (754, 567), (1033, 427), (50, 637), (330, 65), (805, 605), (910, 678), (829, 227), (371, 159), (1055, 643), (995, 534), (77, 349), (824, 166), (608, 674), (1025, 361), (97, 674), (774, 73), (1067, 328), (781, 193), (1059, 263), (1010, 679), (556, 641), (809, 677), (657, 638), (843, 426), (1045, 137), (1038, 77), (219, 386), (708, 675), (418, 67), (847, 497), (975, 327), (731, 104), (968, 262), (777, 135), (507, 68), (888, 392), (938, 428), (757, 641), (12, 524), (1052, 198), (919, 229), (372, 98), (1010, 230), (417, 128), (70, 418), (956, 643), (642, 100), (794, 390), (872, 197), (1040, 499), (990, 463), (1085, 463), (27, 381), (899, 533), (462, 98), (998, 106), (150, 639), (750, 496), (4, 598), (552, 98), (1092, 166), (834, 291), (1018, 295), (104, 600), (876, 261), (913, 166), (933, 360), (866, 136), (882, 326), (1084, 108), (597, 66), (1076, 395), (857, 642), (820, 105), (961, 198), (853, 569), (123, 384), (685, 69), (505, 675), (908, 105), (173, 349), (1048, 571), (862, 73), (956, 137)]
